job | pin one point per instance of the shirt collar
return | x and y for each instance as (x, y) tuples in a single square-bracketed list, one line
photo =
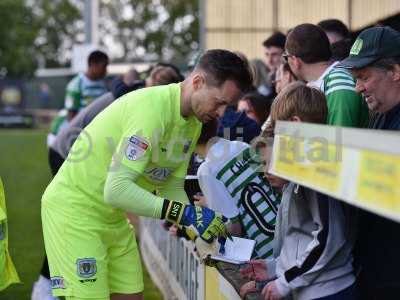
[(319, 83)]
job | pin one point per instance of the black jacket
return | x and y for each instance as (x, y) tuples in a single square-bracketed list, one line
[(378, 244)]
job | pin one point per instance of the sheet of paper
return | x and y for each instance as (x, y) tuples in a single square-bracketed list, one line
[(237, 251)]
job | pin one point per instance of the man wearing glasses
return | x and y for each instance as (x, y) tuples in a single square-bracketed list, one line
[(308, 53)]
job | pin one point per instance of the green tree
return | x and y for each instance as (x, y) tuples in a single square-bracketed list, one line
[(37, 31), (150, 29), (60, 26), (18, 32), (44, 31)]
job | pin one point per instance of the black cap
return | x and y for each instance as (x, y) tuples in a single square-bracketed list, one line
[(372, 44)]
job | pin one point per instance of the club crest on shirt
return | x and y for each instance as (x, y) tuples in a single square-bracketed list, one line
[(86, 267), (136, 147)]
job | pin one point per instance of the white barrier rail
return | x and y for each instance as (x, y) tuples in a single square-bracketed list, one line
[(172, 262), (175, 268)]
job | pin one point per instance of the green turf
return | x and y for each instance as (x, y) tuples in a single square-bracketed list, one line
[(25, 174)]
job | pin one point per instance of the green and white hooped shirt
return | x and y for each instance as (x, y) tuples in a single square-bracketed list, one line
[(233, 184)]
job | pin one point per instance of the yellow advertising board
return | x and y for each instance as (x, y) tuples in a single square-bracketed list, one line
[(358, 166)]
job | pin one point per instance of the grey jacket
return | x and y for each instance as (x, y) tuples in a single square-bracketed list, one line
[(314, 239), (67, 136)]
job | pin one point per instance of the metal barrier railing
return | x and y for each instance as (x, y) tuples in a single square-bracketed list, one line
[(176, 269)]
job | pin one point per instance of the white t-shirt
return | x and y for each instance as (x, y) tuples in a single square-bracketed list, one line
[(218, 197)]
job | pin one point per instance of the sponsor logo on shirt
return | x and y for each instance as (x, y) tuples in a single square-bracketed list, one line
[(158, 174), (57, 282), (136, 148), (86, 267), (186, 146), (88, 280)]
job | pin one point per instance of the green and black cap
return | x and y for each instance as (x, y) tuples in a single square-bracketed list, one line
[(371, 45)]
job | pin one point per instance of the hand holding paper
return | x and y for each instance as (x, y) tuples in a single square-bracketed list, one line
[(255, 269), (237, 250)]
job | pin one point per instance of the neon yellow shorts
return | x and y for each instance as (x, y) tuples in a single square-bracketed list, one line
[(90, 260)]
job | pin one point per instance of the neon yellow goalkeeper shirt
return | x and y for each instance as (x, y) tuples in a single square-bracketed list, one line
[(142, 132)]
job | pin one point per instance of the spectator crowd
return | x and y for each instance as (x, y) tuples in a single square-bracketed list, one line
[(308, 244)]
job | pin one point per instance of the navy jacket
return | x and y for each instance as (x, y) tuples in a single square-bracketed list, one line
[(237, 126), (378, 244)]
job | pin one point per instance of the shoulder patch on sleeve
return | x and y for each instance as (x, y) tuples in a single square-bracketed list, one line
[(136, 148)]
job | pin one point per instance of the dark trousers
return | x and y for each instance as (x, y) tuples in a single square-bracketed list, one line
[(388, 293), (378, 290), (55, 162), (350, 293)]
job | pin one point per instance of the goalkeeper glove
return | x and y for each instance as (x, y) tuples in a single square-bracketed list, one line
[(205, 222)]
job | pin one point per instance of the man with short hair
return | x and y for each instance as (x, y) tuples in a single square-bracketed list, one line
[(374, 61), (335, 29), (85, 87), (64, 140), (273, 50), (139, 144), (308, 54), (274, 47), (339, 38)]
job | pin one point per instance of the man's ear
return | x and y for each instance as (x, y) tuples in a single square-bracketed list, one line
[(396, 72), (297, 62), (198, 80), (295, 119)]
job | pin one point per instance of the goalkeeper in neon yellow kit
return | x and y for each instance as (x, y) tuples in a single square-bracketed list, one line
[(140, 143)]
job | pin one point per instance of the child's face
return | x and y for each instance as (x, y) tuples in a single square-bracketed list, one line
[(275, 181), (265, 156)]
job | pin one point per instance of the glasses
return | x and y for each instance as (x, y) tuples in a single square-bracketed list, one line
[(286, 56)]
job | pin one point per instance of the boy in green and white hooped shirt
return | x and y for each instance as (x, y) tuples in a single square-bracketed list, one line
[(138, 144), (232, 183)]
